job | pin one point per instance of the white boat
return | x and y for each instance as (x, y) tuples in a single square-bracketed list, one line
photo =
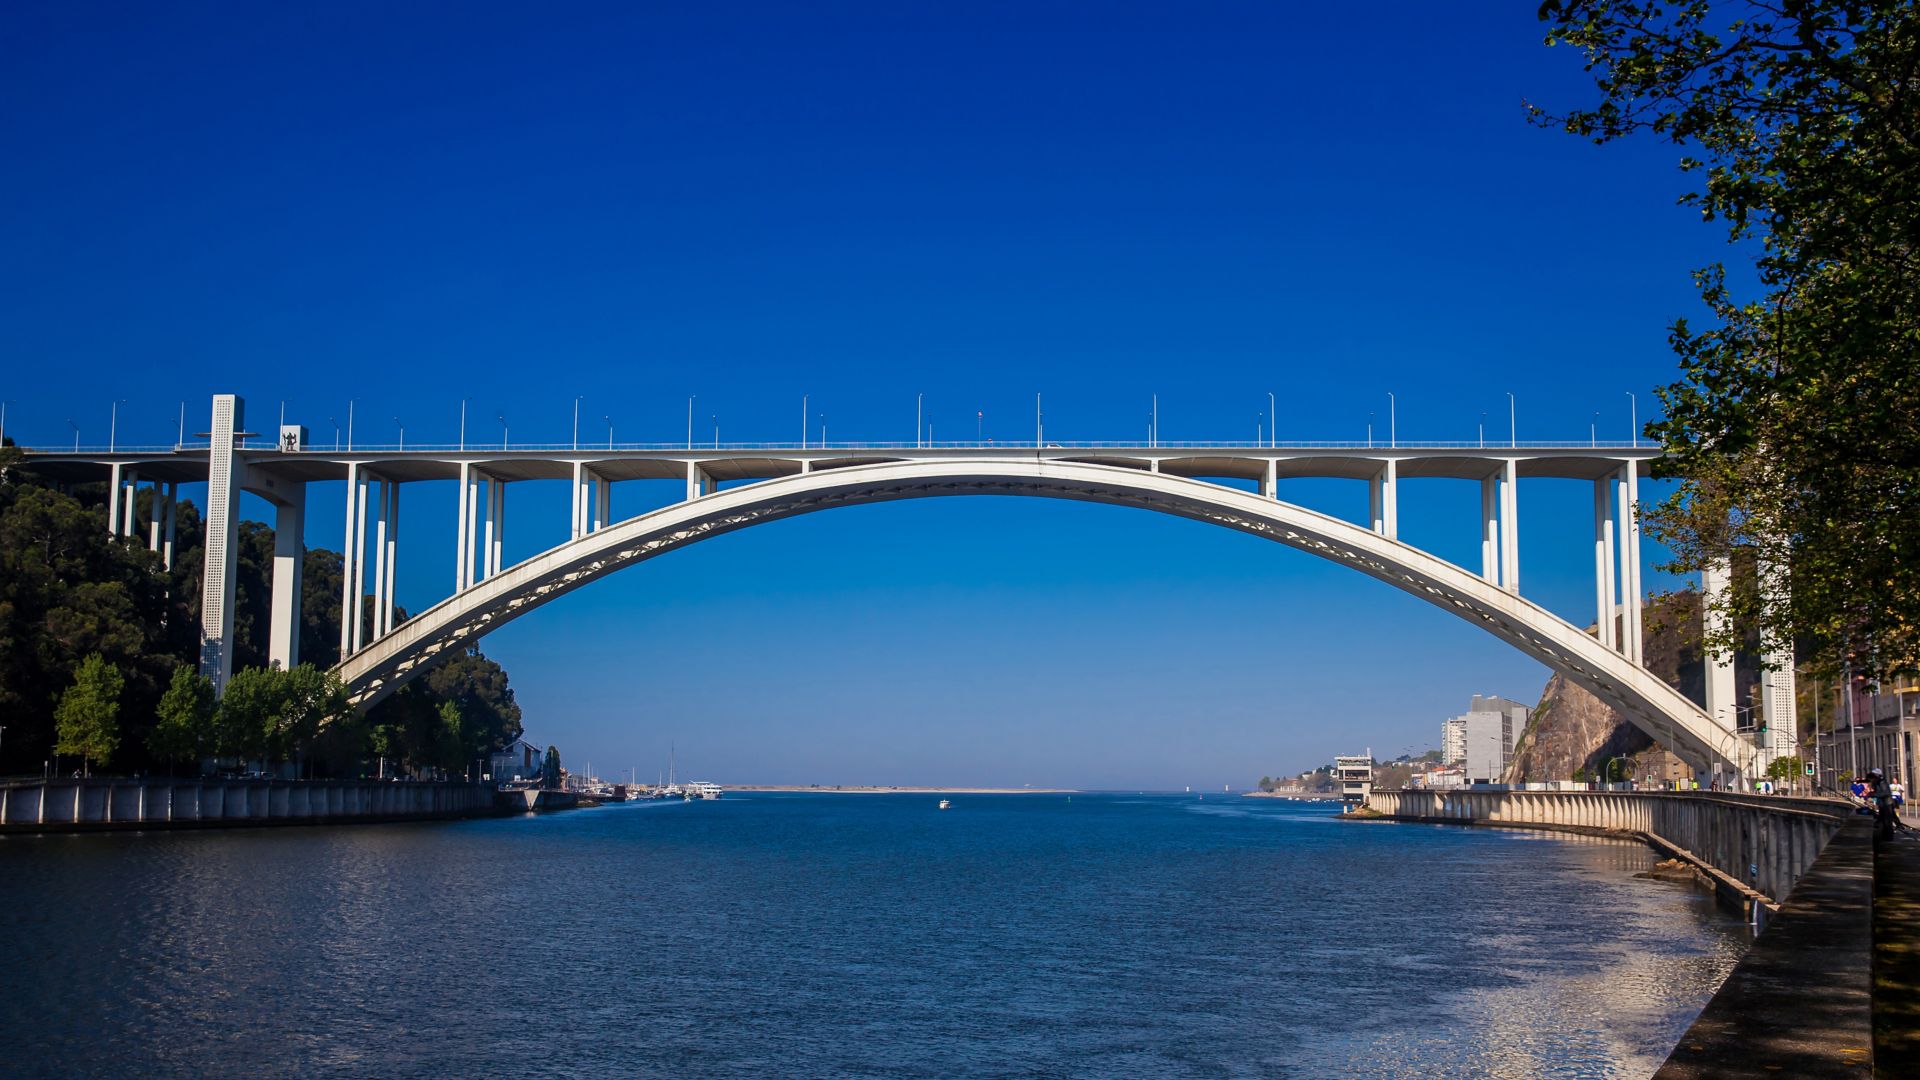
[(945, 804), (700, 789)]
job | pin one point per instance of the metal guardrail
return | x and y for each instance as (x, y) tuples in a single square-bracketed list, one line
[(791, 447)]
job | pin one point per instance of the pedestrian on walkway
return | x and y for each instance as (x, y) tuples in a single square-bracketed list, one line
[(1882, 794)]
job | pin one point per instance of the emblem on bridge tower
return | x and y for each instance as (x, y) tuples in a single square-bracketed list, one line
[(293, 438)]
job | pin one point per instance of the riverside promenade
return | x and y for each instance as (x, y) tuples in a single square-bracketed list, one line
[(1831, 987), (101, 804)]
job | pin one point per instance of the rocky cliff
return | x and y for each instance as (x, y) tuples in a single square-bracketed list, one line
[(1571, 730)]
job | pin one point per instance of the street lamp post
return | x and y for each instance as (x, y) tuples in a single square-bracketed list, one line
[(76, 434), (3, 423), (1369, 431), (349, 425), (1513, 420), (690, 398), (609, 421), (803, 421), (1633, 418), (1393, 420), (1593, 431), (502, 417), (916, 420), (113, 425), (463, 423), (1273, 430), (716, 432), (1483, 431), (403, 432), (576, 421), (336, 433)]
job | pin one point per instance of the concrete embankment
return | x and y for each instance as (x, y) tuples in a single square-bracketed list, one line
[(1754, 847), (86, 805)]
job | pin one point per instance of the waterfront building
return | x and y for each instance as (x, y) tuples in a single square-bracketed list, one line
[(1354, 778), (519, 760), (1487, 731), (1879, 731)]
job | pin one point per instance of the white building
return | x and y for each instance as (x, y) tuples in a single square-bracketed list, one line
[(1484, 737), (1355, 777), (1453, 741), (519, 760)]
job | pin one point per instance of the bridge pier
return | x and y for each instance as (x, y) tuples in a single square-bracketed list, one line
[(1603, 560), (289, 567), (224, 476), (1384, 497), (1629, 539)]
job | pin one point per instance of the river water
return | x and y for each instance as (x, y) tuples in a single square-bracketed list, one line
[(853, 935)]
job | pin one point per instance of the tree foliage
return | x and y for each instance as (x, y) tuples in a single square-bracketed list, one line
[(183, 722), (88, 717), (550, 769), (1795, 427)]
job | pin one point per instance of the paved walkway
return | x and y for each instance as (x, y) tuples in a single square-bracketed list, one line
[(1896, 957)]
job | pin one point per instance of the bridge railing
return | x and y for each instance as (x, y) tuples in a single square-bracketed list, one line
[(480, 446)]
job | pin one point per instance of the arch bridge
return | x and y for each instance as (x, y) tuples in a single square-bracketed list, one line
[(772, 482)]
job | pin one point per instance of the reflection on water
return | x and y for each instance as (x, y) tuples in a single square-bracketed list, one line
[(855, 935)]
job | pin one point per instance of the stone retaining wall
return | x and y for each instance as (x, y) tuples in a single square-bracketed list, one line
[(1758, 846), (64, 805)]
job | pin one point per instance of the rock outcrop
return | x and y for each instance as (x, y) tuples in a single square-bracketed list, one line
[(1572, 730)]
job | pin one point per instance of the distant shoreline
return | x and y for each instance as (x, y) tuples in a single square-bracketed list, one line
[(871, 789)]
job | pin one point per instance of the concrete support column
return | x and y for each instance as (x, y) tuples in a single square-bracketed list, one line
[(358, 616), (129, 525), (382, 502), (496, 525), (1603, 561), (1777, 708), (463, 531), (289, 566), (221, 549), (579, 524), (153, 517), (1386, 500), (114, 481), (602, 503), (173, 524), (1510, 526), (693, 481), (1630, 563), (1270, 485), (1490, 529), (392, 560), (1715, 581), (350, 561)]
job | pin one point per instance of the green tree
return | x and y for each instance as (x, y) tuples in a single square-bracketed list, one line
[(1793, 429), (250, 714), (183, 726), (1784, 768), (550, 768), (87, 718), (310, 700)]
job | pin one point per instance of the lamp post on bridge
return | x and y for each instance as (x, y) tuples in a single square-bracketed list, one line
[(336, 433), (113, 425), (803, 421), (1483, 431), (76, 434), (576, 421), (1633, 418), (1369, 431), (609, 421), (690, 398), (3, 422), (1273, 429), (350, 425), (716, 432), (1393, 420), (463, 423), (403, 432), (916, 421), (1513, 420), (1593, 432), (502, 417)]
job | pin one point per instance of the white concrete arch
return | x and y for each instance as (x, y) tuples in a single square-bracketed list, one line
[(1641, 697)]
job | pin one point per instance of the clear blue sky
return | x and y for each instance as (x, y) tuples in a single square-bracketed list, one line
[(861, 203)]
